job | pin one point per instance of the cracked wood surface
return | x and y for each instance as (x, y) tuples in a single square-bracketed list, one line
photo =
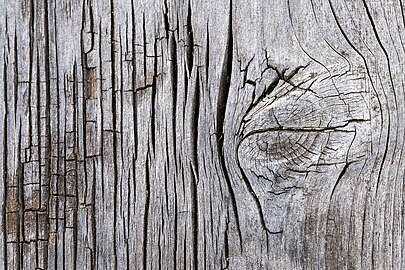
[(189, 134)]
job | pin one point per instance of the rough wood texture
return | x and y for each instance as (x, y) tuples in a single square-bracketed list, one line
[(189, 134)]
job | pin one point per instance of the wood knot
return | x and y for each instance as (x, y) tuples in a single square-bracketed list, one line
[(307, 122)]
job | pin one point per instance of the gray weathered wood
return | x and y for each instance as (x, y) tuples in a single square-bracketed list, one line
[(196, 134)]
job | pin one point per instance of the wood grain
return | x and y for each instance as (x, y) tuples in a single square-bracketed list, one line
[(189, 134)]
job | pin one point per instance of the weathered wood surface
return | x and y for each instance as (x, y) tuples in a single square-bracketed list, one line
[(202, 134)]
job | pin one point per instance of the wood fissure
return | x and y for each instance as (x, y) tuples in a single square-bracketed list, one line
[(115, 131), (5, 167)]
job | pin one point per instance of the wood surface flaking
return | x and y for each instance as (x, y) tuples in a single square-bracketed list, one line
[(201, 134)]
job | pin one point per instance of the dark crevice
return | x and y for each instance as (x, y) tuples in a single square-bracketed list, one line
[(166, 18), (253, 193), (207, 56), (21, 203), (133, 202), (245, 72), (175, 231), (226, 243), (121, 141), (185, 91), (223, 92), (166, 173), (153, 100), (39, 138), (269, 89), (185, 249), (48, 146), (76, 207), (135, 128), (224, 84), (5, 164), (330, 217), (194, 217), (292, 73), (64, 172), (18, 176), (60, 202), (31, 69), (144, 47), (146, 214), (87, 93), (159, 245), (15, 77), (342, 173), (306, 129), (91, 15), (100, 56), (115, 135), (134, 97), (189, 41), (252, 83), (128, 222), (195, 112), (93, 221), (281, 76), (143, 87), (175, 217), (174, 82)]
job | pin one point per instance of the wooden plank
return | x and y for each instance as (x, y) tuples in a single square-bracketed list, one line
[(201, 134)]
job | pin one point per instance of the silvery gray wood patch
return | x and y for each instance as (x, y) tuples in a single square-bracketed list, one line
[(190, 134)]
